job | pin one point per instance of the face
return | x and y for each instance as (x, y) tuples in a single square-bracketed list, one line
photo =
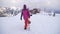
[(24, 6)]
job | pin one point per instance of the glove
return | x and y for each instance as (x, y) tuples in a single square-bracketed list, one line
[(30, 15), (21, 18)]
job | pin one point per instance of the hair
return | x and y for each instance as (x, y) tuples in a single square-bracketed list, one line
[(24, 6)]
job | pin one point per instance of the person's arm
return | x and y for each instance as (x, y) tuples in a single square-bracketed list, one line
[(21, 15), (28, 14)]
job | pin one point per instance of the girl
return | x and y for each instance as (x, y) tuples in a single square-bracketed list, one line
[(26, 15)]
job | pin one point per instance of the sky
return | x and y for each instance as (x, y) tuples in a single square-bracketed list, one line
[(31, 3)]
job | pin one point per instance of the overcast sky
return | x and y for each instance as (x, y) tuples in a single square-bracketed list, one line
[(31, 3)]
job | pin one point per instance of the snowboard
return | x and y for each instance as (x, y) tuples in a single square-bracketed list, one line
[(29, 22), (28, 27)]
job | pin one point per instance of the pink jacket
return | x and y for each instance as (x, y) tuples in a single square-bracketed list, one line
[(25, 14)]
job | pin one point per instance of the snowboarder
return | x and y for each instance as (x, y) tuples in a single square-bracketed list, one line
[(26, 15)]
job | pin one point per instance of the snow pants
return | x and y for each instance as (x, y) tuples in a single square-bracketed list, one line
[(25, 23)]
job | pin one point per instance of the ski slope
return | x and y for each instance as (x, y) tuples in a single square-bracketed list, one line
[(40, 24)]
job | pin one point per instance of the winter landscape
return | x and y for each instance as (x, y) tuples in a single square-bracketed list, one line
[(45, 17)]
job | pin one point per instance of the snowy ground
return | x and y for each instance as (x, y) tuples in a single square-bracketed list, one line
[(40, 24)]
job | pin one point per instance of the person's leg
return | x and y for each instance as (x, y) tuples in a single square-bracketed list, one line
[(26, 23)]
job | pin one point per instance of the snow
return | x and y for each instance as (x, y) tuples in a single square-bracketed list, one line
[(40, 24)]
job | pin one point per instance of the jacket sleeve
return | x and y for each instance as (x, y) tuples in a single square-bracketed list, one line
[(21, 15), (28, 14)]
